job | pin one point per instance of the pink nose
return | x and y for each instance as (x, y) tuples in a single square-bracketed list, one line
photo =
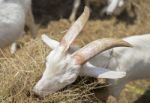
[(35, 94)]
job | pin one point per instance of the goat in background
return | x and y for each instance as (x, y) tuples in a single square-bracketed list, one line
[(114, 7), (14, 14)]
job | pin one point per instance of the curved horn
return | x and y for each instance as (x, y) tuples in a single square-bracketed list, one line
[(96, 47), (75, 29)]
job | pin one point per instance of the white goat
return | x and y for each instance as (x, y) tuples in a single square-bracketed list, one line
[(62, 68), (114, 7), (134, 61), (14, 14)]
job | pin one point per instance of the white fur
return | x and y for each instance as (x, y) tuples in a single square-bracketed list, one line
[(13, 16)]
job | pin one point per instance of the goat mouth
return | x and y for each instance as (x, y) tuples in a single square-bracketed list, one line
[(35, 95), (38, 94), (41, 93)]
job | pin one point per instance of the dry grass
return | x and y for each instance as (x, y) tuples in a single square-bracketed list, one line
[(21, 71)]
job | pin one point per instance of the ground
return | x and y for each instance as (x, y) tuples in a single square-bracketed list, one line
[(20, 72)]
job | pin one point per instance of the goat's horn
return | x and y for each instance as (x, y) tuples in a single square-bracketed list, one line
[(75, 29), (96, 47)]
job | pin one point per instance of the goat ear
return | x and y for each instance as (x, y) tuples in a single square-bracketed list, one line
[(53, 43), (50, 42), (111, 74), (97, 72)]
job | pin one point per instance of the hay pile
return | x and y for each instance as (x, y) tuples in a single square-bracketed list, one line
[(21, 71)]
